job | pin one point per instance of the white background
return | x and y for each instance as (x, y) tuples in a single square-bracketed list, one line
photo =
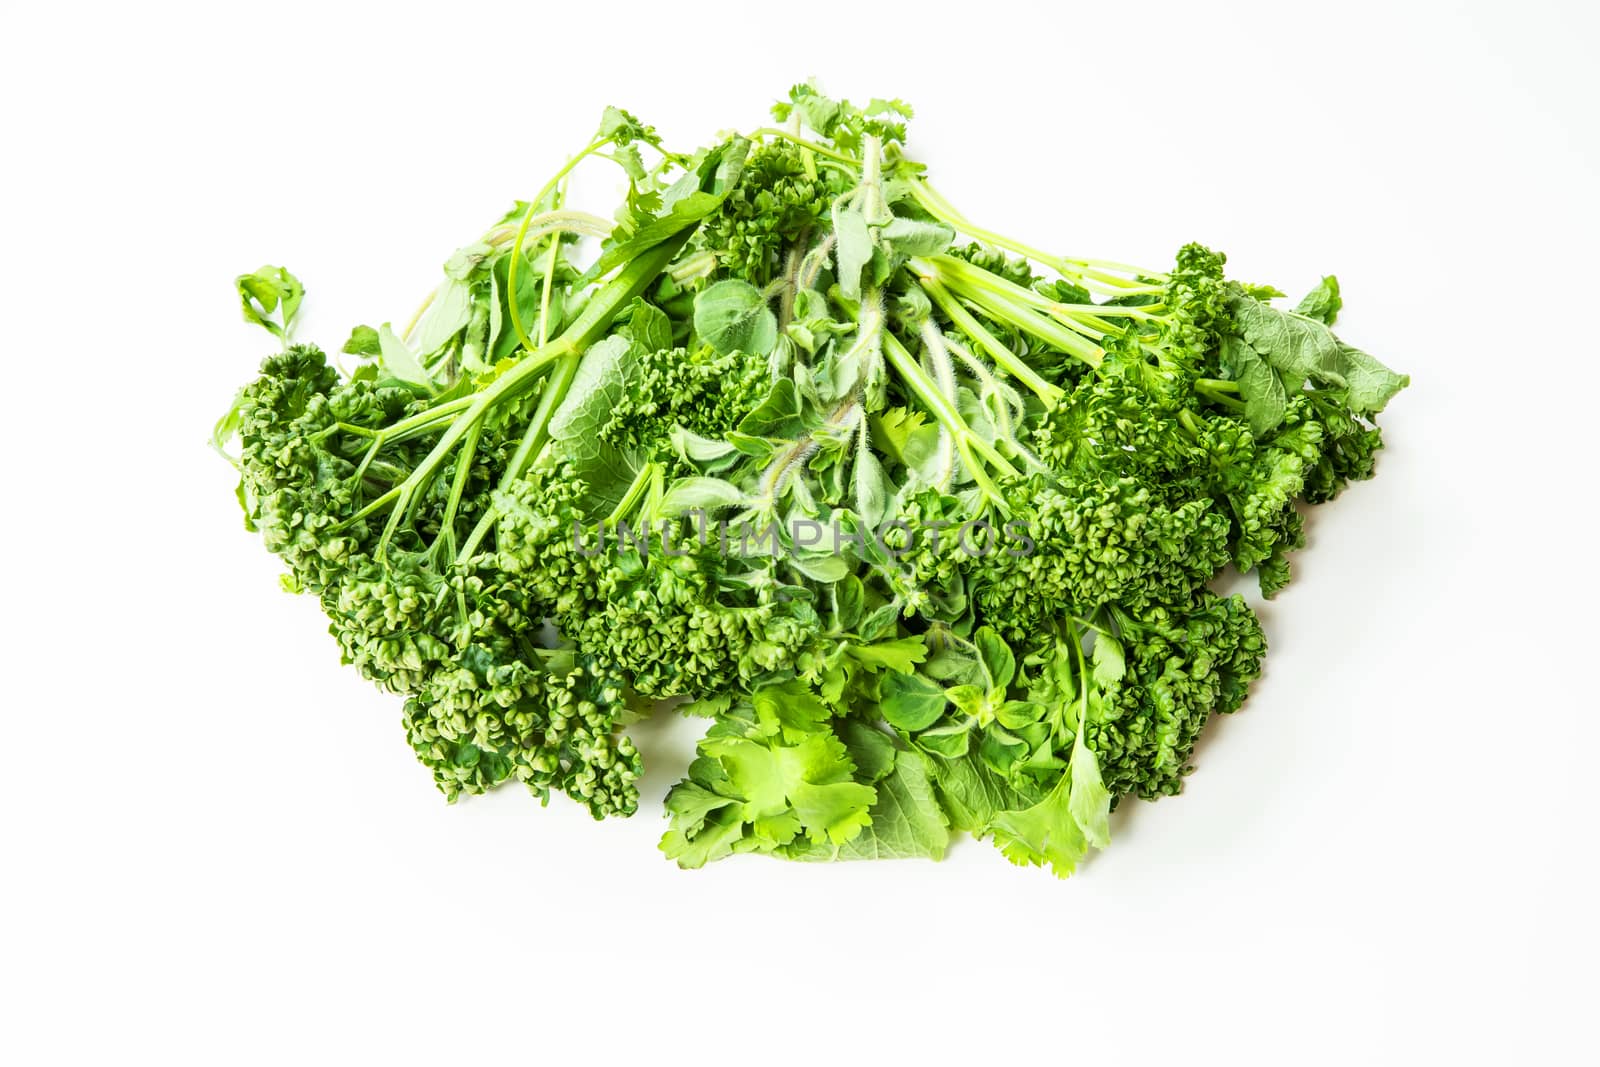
[(217, 847)]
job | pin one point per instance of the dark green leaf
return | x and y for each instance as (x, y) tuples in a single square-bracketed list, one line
[(1296, 347)]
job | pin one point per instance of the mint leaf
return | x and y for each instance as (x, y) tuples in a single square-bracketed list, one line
[(909, 237), (872, 488), (911, 702), (649, 327), (854, 249), (447, 315), (973, 794), (603, 377), (733, 316), (951, 742), (871, 750), (998, 659), (699, 494), (363, 342), (778, 415)]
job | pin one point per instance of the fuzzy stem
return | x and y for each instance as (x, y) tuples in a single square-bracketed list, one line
[(967, 443), (1003, 356)]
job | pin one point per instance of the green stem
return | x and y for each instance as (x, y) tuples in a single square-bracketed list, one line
[(1083, 684), (967, 443), (458, 484), (636, 489), (1079, 270), (810, 146), (997, 306), (1216, 395), (522, 235), (555, 391), (873, 205), (559, 220), (1002, 356), (699, 265), (588, 327), (1089, 319), (350, 427), (549, 280), (422, 419), (772, 479), (549, 222), (410, 427)]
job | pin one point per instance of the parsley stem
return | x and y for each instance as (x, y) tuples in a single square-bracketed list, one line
[(1000, 306), (549, 276), (549, 222), (591, 322), (555, 391), (636, 490), (1210, 389), (1013, 364), (1083, 684), (550, 188), (1092, 274), (966, 442)]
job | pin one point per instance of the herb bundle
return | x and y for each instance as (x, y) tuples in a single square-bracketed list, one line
[(919, 517)]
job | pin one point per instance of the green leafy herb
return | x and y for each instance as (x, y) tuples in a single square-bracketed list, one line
[(918, 519), (732, 316)]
